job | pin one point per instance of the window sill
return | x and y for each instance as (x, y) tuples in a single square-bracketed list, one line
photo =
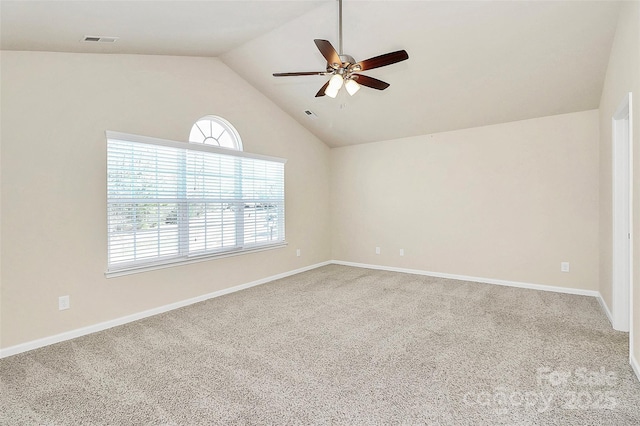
[(177, 262)]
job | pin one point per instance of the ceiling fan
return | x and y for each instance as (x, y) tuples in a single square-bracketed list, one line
[(343, 68)]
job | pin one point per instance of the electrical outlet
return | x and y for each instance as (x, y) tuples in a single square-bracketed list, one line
[(63, 303), (298, 252), (377, 250), (564, 267), (401, 252)]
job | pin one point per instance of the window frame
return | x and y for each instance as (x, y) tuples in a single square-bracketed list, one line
[(142, 266), (228, 128)]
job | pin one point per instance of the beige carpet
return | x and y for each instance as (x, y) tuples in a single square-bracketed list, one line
[(339, 345)]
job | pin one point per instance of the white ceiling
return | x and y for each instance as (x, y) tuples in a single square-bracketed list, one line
[(154, 27), (470, 63)]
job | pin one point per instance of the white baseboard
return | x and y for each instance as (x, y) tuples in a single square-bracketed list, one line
[(518, 284), (632, 360), (605, 308), (635, 366), (68, 335), (24, 347)]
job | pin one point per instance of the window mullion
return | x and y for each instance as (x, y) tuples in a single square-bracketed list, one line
[(183, 206), (239, 205)]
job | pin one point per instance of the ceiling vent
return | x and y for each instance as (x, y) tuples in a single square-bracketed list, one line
[(100, 39), (312, 115)]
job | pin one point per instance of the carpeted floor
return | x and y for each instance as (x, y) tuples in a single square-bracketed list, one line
[(339, 345)]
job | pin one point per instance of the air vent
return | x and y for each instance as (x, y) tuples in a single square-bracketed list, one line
[(312, 115), (100, 39)]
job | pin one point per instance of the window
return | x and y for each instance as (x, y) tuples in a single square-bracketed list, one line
[(171, 202), (217, 131)]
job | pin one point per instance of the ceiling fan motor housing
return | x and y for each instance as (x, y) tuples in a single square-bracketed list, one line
[(347, 60), (346, 68)]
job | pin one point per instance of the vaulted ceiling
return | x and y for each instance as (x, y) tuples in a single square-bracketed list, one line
[(470, 63)]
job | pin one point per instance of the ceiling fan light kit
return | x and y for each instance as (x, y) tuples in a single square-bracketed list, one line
[(343, 68), (351, 86), (335, 83)]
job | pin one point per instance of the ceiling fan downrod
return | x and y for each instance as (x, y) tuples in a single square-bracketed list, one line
[(340, 28), (346, 59)]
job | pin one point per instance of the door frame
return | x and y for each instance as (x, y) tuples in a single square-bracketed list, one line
[(622, 265)]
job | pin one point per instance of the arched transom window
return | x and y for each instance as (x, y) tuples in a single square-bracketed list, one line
[(216, 131)]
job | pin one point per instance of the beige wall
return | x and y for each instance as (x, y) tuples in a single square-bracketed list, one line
[(623, 76), (508, 201), (55, 110)]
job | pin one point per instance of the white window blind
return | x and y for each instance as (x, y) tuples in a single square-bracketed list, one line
[(170, 202)]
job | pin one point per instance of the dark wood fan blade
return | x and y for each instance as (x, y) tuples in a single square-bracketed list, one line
[(294, 74), (322, 89), (383, 60), (374, 83), (329, 53)]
